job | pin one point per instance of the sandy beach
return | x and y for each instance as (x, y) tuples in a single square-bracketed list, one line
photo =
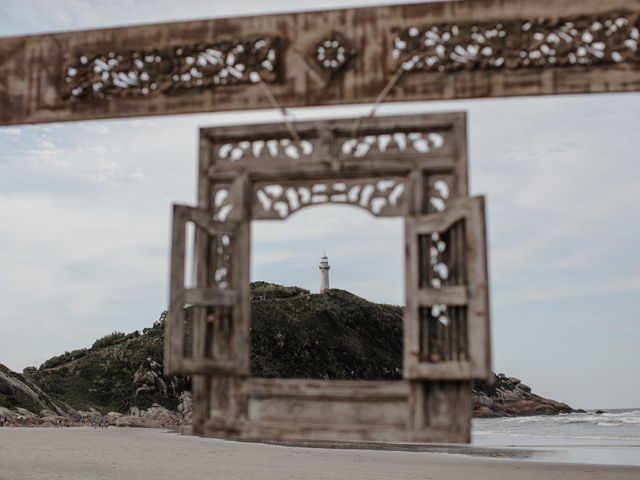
[(153, 454)]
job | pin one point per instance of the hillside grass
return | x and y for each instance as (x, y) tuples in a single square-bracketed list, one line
[(295, 334)]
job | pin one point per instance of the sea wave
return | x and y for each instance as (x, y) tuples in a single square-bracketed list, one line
[(617, 425), (542, 435)]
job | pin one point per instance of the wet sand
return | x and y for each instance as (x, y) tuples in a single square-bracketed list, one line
[(153, 454)]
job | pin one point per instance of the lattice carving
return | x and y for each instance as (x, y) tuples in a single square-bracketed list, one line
[(379, 196), (142, 73), (414, 142), (443, 336), (519, 44), (333, 54), (264, 149)]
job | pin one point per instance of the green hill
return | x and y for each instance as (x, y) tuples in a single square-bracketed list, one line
[(334, 335), (295, 334)]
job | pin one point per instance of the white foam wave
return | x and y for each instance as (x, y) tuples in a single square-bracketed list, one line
[(617, 425), (555, 436)]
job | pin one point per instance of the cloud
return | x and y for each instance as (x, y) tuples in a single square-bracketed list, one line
[(19, 17), (84, 220)]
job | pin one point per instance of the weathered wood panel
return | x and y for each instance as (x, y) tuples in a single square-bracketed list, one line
[(326, 411), (447, 316), (220, 321), (297, 409), (448, 50)]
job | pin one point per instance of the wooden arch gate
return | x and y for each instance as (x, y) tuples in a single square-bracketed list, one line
[(414, 167)]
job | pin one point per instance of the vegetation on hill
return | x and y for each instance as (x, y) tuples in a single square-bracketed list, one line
[(295, 334), (333, 335), (111, 375)]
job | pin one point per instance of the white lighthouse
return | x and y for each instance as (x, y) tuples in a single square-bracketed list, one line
[(324, 273)]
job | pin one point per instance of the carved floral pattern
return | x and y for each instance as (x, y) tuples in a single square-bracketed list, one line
[(142, 73), (333, 54), (438, 261), (418, 142), (222, 262), (383, 196), (519, 44), (222, 204), (443, 258), (264, 149), (439, 193)]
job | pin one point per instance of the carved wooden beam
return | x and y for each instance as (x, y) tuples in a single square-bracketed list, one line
[(447, 50)]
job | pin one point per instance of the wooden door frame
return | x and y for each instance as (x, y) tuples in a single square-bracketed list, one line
[(390, 167)]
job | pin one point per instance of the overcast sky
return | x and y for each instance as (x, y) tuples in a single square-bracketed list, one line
[(84, 220)]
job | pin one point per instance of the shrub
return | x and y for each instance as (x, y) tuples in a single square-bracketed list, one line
[(108, 340)]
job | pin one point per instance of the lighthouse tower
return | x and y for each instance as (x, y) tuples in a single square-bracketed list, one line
[(324, 273)]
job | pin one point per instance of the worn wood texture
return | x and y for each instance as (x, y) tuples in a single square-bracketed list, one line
[(332, 163), (448, 50), (384, 411), (413, 167), (218, 293), (447, 316)]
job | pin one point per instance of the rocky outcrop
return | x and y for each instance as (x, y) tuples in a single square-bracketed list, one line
[(149, 379), (20, 393), (156, 417), (508, 396), (185, 408)]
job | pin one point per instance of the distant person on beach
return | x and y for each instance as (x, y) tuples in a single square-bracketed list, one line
[(104, 422)]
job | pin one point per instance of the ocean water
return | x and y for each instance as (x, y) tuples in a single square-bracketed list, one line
[(611, 438)]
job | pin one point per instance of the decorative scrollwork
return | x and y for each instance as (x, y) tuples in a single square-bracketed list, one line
[(438, 261), (442, 256), (379, 196), (418, 142), (142, 73), (332, 55), (221, 277), (438, 194), (264, 149), (222, 204), (519, 44)]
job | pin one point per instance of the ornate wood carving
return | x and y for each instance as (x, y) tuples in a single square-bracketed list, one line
[(333, 54), (412, 166), (170, 70), (515, 44), (456, 49), (380, 196)]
